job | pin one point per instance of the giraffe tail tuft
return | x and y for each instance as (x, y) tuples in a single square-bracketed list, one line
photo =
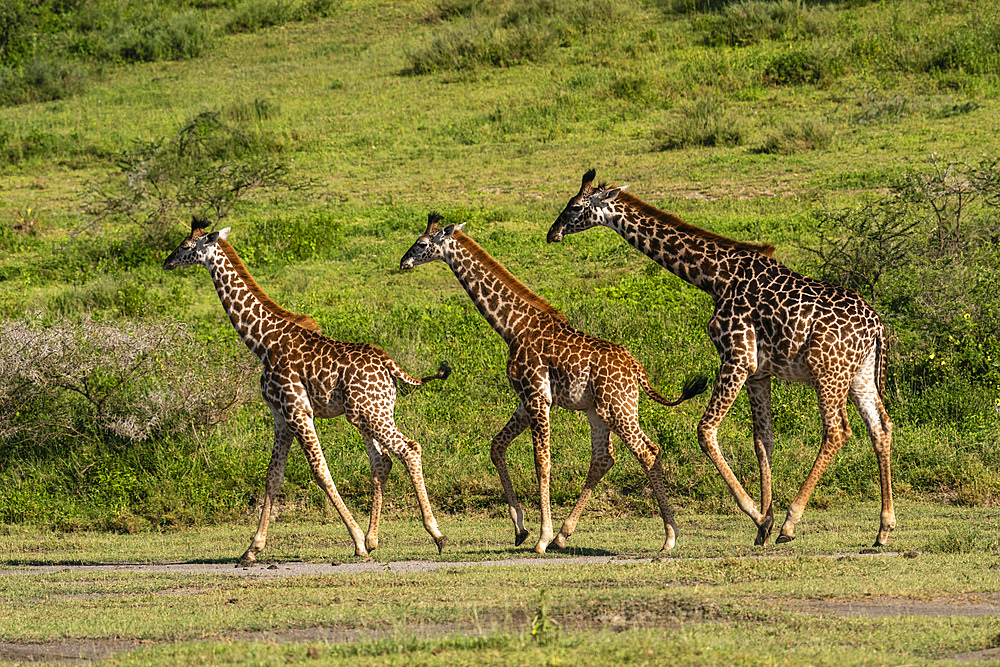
[(693, 386), (444, 370)]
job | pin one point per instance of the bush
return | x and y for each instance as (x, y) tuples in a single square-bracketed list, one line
[(206, 168), (258, 14), (40, 80), (925, 255), (702, 123), (792, 137), (752, 21), (505, 34), (180, 37), (65, 380), (800, 67), (974, 49)]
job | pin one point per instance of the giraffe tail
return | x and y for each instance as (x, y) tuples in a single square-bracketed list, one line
[(880, 365), (694, 385), (444, 370)]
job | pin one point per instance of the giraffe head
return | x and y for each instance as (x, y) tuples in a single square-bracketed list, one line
[(196, 247), (587, 209), (427, 247)]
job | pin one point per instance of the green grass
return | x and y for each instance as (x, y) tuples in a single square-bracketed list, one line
[(696, 605), (832, 104)]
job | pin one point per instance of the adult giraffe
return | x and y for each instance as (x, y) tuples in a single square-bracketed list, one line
[(552, 363), (769, 321), (308, 375)]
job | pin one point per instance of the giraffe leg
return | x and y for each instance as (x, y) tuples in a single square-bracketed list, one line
[(727, 387), (306, 434), (275, 475), (384, 430), (602, 457), (538, 422), (866, 399), (833, 411), (645, 450), (759, 392), (381, 464), (498, 454)]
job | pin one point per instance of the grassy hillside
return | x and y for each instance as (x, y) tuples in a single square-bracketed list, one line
[(859, 138)]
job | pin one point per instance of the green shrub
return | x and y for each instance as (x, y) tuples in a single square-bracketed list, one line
[(973, 49), (637, 89), (795, 67), (180, 37), (792, 137), (702, 123), (40, 80), (925, 255), (754, 21), (507, 33), (255, 15), (17, 42), (205, 168)]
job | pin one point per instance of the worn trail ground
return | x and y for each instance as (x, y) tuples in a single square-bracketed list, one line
[(73, 651)]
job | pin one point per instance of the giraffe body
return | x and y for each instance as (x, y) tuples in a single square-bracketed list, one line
[(552, 363), (306, 376), (769, 321)]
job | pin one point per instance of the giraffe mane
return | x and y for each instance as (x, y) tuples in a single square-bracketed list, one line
[(303, 321), (673, 221), (505, 276)]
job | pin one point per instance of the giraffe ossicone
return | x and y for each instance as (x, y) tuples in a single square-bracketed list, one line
[(552, 363), (307, 375), (769, 321)]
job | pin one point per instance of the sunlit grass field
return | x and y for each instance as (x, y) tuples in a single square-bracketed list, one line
[(748, 124)]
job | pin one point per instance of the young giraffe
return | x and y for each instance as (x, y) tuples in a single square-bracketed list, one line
[(307, 375), (768, 321), (551, 363)]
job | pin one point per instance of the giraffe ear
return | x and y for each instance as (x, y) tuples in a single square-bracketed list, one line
[(589, 177), (604, 197), (458, 228), (224, 233)]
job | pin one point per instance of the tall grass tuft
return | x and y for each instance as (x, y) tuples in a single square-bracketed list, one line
[(795, 136), (507, 33), (704, 122)]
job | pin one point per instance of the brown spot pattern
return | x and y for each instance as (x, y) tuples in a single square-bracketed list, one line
[(769, 321)]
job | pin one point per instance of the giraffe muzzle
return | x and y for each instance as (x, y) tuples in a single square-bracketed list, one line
[(555, 234)]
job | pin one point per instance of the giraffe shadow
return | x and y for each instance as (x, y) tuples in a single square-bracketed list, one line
[(568, 552)]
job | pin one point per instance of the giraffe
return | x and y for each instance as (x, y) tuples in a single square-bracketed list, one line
[(552, 363), (307, 375), (769, 321)]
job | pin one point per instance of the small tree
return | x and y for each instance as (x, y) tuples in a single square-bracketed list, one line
[(206, 168)]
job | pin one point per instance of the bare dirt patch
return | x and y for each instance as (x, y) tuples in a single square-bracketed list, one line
[(882, 607)]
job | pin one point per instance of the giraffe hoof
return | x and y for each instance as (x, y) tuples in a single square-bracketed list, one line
[(246, 560), (520, 538), (784, 538), (764, 531), (440, 542)]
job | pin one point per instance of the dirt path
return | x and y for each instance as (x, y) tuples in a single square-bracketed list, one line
[(81, 651), (295, 568)]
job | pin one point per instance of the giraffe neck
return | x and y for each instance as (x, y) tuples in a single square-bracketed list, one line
[(504, 301), (257, 319), (702, 258)]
